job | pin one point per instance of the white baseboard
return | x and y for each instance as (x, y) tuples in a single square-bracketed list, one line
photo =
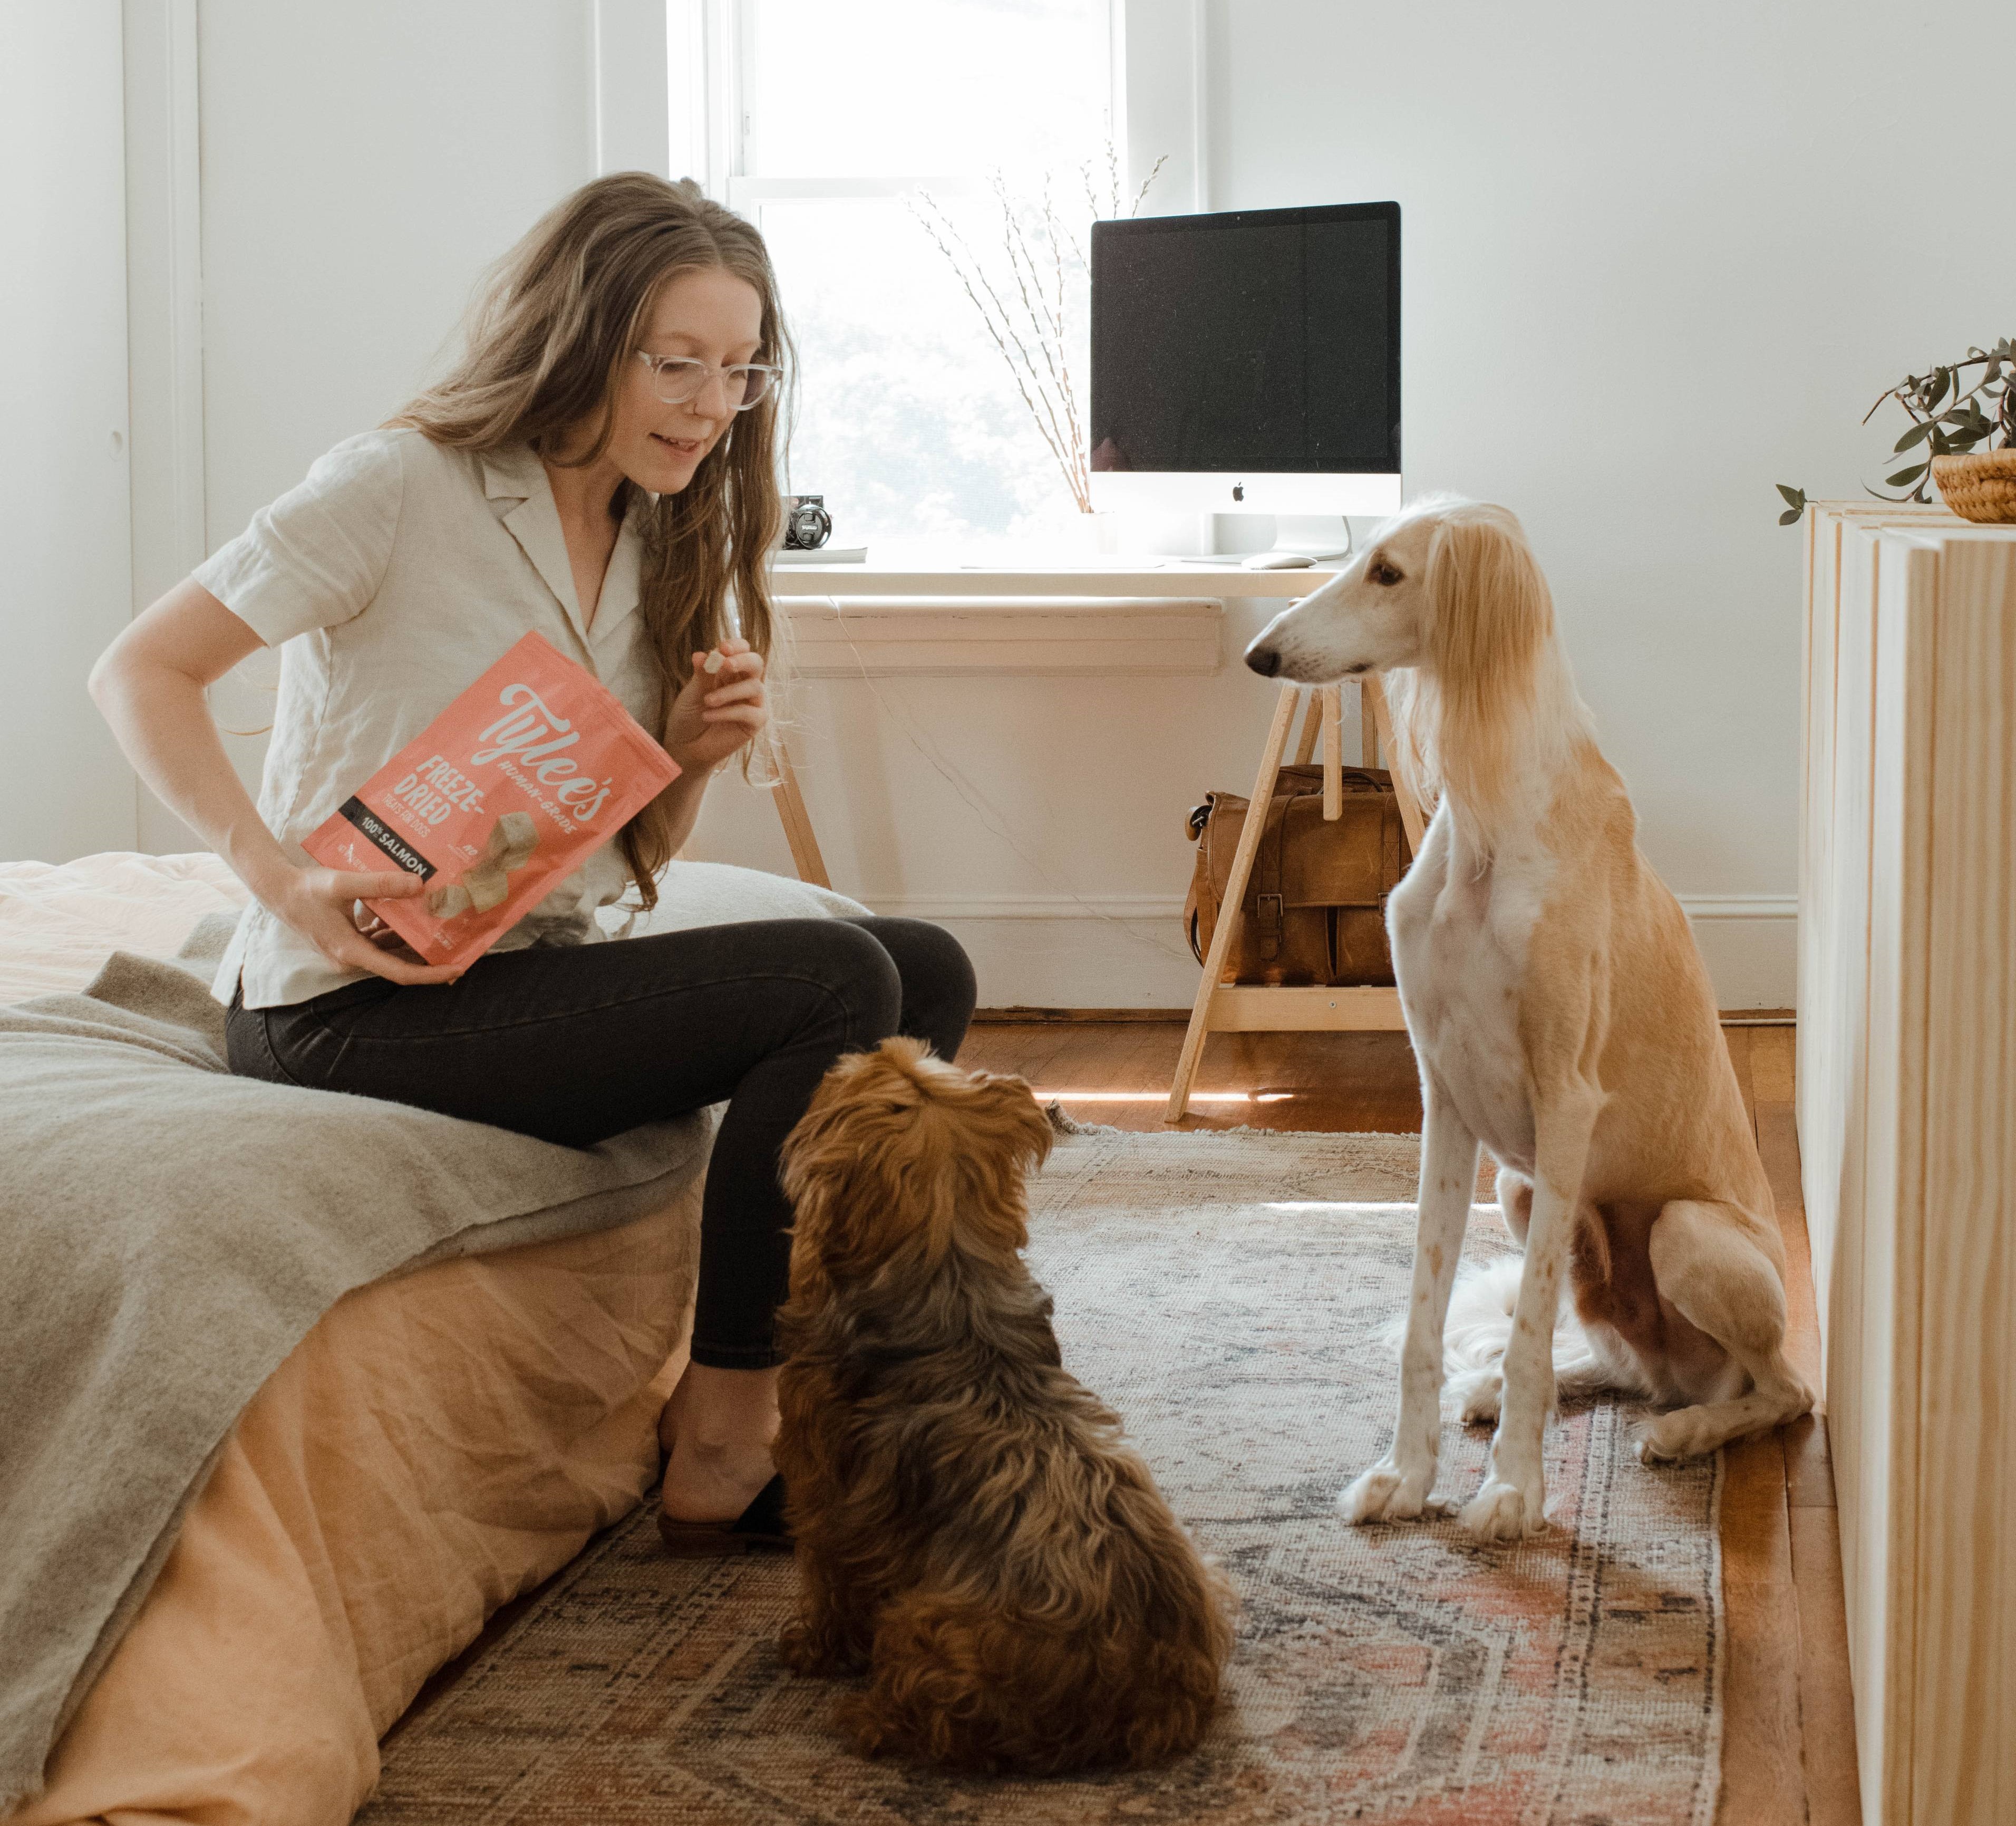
[(1126, 951), (1750, 943), (1739, 906)]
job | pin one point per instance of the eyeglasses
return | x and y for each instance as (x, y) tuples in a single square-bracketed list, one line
[(678, 379)]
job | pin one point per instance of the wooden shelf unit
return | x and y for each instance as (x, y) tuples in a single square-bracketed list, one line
[(1907, 1102)]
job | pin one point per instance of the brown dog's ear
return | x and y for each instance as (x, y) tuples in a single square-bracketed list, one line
[(868, 1169), (901, 1149), (1003, 1133)]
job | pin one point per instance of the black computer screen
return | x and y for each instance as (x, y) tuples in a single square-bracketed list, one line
[(1266, 341)]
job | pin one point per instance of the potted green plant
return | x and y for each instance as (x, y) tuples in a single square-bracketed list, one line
[(1957, 429)]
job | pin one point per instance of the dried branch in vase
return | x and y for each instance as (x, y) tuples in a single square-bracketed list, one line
[(1025, 295)]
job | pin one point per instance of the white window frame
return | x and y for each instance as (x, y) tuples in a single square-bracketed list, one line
[(1160, 109)]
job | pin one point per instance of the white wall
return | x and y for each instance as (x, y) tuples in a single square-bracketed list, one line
[(1041, 818), (1657, 259), (63, 425), (361, 166), (1654, 264)]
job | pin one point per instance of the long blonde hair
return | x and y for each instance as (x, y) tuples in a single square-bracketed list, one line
[(549, 338), (1491, 617)]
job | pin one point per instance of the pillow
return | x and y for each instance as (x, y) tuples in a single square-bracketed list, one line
[(719, 894)]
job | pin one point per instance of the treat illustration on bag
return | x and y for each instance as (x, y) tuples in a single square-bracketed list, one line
[(499, 798), (513, 839)]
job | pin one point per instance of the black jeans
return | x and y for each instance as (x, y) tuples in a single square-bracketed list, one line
[(575, 1043)]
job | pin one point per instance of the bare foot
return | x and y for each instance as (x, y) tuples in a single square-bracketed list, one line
[(718, 1428), (713, 1485)]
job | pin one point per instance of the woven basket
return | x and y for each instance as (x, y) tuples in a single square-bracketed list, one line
[(1982, 487)]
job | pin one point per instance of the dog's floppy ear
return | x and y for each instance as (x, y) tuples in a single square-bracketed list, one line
[(1002, 1132), (900, 1151), (850, 1167), (1490, 614), (1491, 611), (868, 1170)]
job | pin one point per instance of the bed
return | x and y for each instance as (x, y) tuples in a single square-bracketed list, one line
[(438, 1443)]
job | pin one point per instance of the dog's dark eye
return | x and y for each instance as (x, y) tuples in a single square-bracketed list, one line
[(1382, 573)]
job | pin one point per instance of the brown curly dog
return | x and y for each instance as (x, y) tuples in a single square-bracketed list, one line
[(972, 1532)]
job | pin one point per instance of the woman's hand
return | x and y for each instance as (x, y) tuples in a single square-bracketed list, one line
[(320, 904), (718, 713)]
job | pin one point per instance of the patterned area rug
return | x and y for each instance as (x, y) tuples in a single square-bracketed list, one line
[(1223, 1291)]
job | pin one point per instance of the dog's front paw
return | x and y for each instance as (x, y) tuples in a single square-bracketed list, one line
[(806, 1650), (1504, 1511), (797, 1650), (862, 1718), (1387, 1493)]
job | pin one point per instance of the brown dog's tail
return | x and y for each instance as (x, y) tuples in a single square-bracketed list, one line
[(958, 1683)]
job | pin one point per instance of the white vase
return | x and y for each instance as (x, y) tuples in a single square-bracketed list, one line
[(1086, 535)]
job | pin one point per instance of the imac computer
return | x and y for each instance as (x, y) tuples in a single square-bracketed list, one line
[(1249, 362)]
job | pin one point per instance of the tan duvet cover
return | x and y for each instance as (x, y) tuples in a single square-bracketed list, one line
[(437, 1444)]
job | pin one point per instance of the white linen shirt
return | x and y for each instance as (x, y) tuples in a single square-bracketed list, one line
[(391, 580)]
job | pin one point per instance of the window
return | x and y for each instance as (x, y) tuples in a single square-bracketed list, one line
[(833, 128)]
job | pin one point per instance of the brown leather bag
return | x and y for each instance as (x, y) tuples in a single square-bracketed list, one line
[(1315, 901)]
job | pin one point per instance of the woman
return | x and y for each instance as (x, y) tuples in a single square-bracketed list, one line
[(600, 467)]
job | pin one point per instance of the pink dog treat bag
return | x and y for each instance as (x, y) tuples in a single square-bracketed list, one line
[(505, 792)]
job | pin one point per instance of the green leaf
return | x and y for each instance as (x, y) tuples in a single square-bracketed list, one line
[(1917, 434), (1906, 475), (1789, 516), (1794, 497)]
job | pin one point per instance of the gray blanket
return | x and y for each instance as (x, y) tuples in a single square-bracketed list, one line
[(168, 1234)]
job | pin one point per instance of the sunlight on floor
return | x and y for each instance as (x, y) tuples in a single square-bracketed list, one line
[(1162, 1097), (1337, 1204)]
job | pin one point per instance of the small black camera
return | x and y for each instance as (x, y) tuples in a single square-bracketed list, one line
[(807, 525)]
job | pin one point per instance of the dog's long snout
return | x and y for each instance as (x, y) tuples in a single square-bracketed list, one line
[(1263, 659)]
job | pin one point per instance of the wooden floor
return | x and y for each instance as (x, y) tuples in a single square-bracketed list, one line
[(1788, 1755)]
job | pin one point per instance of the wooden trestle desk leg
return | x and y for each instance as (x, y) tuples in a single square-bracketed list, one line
[(1330, 700), (1305, 743), (1229, 907), (1222, 1007), (805, 857)]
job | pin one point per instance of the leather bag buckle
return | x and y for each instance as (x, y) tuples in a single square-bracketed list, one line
[(1268, 909)]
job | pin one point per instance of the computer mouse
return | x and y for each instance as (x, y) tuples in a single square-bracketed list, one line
[(1278, 561)]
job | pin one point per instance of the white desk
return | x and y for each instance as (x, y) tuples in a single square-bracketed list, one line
[(1220, 1007), (1189, 582), (850, 621)]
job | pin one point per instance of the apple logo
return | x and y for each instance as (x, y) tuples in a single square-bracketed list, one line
[(1239, 490)]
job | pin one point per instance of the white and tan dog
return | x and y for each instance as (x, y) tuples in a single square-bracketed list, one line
[(1562, 1018)]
